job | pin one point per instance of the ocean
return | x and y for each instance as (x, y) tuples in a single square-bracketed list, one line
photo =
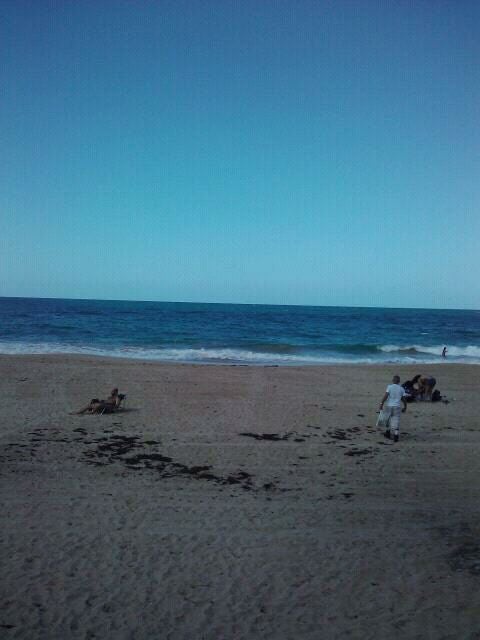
[(237, 333)]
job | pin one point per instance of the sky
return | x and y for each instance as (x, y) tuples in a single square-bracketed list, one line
[(283, 152)]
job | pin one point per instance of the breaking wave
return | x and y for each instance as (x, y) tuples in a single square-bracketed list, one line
[(469, 351), (271, 354), (199, 355)]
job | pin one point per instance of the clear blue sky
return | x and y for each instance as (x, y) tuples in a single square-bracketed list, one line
[(290, 152)]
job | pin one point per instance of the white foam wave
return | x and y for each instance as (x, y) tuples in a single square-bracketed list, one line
[(201, 355), (470, 351), (386, 354)]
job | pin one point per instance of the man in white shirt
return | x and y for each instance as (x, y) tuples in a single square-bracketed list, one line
[(393, 399)]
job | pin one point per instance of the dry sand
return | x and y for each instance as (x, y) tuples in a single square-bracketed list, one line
[(163, 521)]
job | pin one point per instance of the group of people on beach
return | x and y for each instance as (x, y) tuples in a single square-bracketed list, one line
[(420, 387)]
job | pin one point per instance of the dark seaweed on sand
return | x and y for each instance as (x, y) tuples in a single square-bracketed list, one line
[(267, 436)]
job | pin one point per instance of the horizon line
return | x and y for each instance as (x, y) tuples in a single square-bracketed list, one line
[(250, 304)]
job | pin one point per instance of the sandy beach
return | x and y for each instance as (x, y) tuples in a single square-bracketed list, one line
[(176, 519)]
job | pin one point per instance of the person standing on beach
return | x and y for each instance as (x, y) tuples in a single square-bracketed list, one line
[(444, 352), (394, 397)]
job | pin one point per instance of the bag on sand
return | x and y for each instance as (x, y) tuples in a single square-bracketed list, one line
[(383, 419)]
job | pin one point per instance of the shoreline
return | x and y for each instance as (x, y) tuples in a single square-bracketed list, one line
[(125, 359)]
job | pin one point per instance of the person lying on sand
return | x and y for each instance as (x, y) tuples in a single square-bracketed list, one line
[(102, 406)]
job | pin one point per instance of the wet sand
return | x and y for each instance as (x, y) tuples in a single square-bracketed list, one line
[(233, 502)]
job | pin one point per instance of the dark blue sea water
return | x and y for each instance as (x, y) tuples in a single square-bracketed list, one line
[(233, 333)]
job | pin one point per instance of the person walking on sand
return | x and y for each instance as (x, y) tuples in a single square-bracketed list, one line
[(394, 397)]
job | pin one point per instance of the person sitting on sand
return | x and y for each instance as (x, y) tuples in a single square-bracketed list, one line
[(102, 406), (416, 386), (413, 388), (394, 397), (410, 391)]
